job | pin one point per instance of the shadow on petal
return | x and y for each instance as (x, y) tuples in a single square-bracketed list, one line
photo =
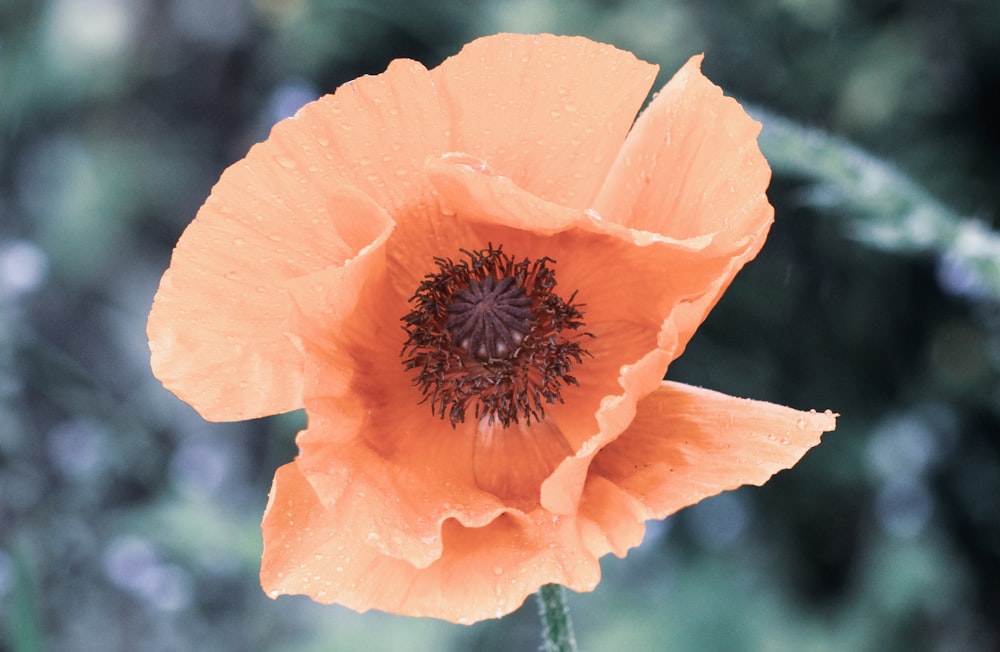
[(511, 463)]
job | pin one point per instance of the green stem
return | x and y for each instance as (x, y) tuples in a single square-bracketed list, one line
[(24, 616), (888, 209), (891, 210), (555, 617)]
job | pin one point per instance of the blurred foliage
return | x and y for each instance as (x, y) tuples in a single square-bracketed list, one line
[(127, 522), (890, 210)]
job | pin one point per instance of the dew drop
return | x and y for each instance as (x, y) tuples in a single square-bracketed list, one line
[(239, 242), (285, 162), (232, 276), (802, 424), (498, 570)]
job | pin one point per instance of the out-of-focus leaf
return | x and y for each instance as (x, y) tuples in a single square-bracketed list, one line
[(887, 209)]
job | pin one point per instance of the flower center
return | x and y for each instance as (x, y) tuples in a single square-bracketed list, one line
[(490, 318), (490, 334)]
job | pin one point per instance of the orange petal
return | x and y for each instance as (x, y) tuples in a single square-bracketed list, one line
[(561, 491), (550, 112), (396, 509), (403, 471), (313, 548), (611, 519), (330, 307), (688, 443), (219, 324), (219, 329), (690, 166), (374, 133)]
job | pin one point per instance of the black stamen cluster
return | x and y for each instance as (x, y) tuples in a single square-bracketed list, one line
[(490, 334)]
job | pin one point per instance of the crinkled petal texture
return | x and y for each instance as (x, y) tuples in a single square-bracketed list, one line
[(288, 289)]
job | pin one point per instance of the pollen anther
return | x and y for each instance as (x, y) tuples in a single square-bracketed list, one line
[(489, 334)]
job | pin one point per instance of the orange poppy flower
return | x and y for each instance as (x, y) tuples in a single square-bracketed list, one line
[(473, 278)]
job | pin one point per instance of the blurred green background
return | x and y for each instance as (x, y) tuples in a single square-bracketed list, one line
[(128, 523)]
